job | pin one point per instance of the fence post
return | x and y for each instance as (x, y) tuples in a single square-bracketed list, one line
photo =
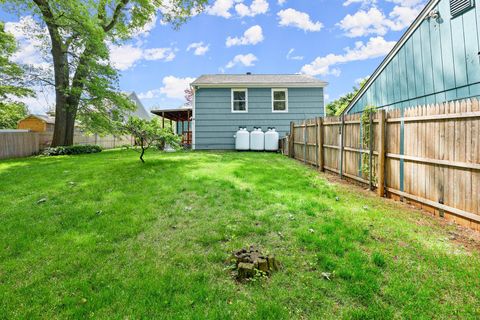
[(305, 141), (381, 154), (291, 140), (316, 142), (320, 143), (342, 128), (370, 152)]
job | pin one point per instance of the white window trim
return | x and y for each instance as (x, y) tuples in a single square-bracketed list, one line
[(286, 100), (246, 100)]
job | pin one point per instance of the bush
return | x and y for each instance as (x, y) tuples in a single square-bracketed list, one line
[(76, 149)]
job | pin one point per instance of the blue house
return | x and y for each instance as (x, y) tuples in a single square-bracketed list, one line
[(223, 103), (436, 60)]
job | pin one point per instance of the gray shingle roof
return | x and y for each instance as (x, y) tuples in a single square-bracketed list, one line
[(258, 79), (47, 119)]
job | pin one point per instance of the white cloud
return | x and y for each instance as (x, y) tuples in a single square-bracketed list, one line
[(363, 23), (293, 18), (199, 48), (281, 2), (173, 88), (402, 16), (374, 21), (290, 55), (31, 39), (220, 8), (251, 36), (165, 54), (255, 8), (376, 47), (362, 2), (126, 56), (246, 60)]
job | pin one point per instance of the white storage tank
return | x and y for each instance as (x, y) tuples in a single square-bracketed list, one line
[(271, 140), (257, 140), (242, 139)]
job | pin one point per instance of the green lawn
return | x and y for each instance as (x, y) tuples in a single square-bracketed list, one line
[(116, 238)]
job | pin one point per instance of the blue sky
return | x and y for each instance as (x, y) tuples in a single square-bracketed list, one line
[(340, 41)]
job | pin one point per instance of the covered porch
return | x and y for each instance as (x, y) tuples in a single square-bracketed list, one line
[(182, 118)]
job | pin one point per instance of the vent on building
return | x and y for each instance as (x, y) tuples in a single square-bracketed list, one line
[(460, 6)]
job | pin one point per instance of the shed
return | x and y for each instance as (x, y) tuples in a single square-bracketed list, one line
[(37, 123)]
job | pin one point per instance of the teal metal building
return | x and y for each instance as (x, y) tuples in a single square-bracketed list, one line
[(436, 60), (223, 103)]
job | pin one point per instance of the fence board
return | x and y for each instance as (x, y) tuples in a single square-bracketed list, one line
[(15, 144), (432, 154)]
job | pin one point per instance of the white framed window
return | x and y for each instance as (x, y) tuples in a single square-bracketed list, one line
[(239, 100), (279, 100)]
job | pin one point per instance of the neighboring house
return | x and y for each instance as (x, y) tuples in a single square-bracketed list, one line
[(140, 112), (436, 60), (223, 103), (46, 123), (37, 123)]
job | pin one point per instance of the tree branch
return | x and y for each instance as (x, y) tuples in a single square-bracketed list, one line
[(116, 14)]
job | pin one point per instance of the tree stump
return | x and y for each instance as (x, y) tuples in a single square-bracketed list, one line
[(251, 262)]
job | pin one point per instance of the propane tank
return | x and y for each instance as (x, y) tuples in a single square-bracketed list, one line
[(271, 140), (242, 139), (257, 140)]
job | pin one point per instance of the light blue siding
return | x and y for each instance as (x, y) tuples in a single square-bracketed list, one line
[(215, 124), (439, 62)]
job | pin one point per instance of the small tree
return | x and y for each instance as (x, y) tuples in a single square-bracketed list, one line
[(336, 107), (189, 96), (149, 134)]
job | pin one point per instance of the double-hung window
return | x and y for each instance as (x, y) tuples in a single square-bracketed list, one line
[(279, 100), (239, 100)]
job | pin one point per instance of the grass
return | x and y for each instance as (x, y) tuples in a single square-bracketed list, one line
[(119, 239)]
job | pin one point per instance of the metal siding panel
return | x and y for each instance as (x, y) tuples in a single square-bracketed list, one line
[(428, 84), (409, 62), (459, 59), (383, 89), (396, 77), (436, 52), (391, 84), (418, 54), (403, 75), (446, 43), (471, 46)]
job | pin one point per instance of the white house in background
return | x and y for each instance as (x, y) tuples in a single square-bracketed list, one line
[(140, 112)]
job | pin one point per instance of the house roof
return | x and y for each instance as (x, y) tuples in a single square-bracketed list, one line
[(178, 114), (47, 119), (413, 27), (258, 80)]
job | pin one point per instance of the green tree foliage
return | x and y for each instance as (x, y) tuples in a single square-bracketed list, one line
[(150, 134), (11, 113), (12, 83), (336, 107), (78, 33)]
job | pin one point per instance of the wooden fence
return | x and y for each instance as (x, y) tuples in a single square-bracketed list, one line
[(426, 155), (20, 143)]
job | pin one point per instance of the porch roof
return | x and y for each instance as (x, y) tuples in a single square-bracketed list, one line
[(179, 114)]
